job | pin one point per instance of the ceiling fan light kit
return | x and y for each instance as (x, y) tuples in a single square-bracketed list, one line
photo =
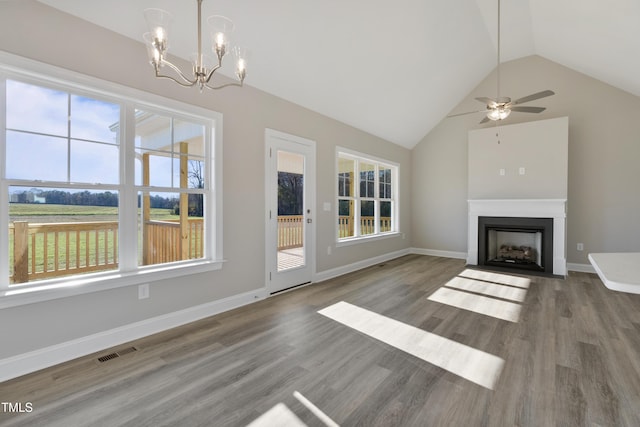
[(203, 65), (501, 107)]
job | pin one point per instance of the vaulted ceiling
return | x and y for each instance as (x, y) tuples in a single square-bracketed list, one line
[(395, 69)]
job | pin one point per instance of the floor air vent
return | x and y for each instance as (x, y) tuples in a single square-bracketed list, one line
[(116, 354)]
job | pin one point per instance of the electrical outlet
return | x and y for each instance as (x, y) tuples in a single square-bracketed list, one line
[(580, 246), (143, 291), (502, 172), (521, 171)]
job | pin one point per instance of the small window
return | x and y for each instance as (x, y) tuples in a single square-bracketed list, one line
[(366, 205)]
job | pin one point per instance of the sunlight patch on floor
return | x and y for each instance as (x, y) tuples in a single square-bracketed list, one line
[(467, 362), (490, 289), (478, 304), (280, 415), (502, 279), (315, 410)]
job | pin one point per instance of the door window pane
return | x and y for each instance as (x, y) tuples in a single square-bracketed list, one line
[(290, 210)]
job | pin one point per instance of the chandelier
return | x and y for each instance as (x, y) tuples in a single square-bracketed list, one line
[(204, 65)]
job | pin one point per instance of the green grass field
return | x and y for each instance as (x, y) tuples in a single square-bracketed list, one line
[(72, 212)]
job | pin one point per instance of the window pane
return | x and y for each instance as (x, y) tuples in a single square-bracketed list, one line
[(196, 172), (94, 120), (162, 236), (385, 217), (345, 219), (385, 183), (189, 146), (153, 150), (345, 174), (367, 217), (36, 109), (36, 157), (367, 172), (63, 232), (162, 144), (94, 163)]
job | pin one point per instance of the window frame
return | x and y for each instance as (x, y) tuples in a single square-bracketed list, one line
[(13, 67), (356, 198)]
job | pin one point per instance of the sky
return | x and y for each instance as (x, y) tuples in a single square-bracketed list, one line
[(80, 150), (44, 111)]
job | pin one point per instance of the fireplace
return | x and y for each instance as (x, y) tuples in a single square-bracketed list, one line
[(516, 243), (539, 224)]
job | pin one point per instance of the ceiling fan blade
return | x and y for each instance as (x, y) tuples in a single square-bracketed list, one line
[(533, 97), (528, 109), (490, 102), (464, 114), (485, 120)]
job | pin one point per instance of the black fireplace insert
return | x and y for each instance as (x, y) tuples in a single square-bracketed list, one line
[(516, 243)]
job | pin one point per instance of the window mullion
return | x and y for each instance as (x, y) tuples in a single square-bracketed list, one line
[(376, 197), (68, 137), (128, 204), (357, 200), (4, 191)]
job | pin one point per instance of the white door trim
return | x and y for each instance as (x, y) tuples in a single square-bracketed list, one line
[(273, 137)]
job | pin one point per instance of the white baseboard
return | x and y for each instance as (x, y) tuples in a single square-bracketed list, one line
[(443, 254), (32, 361), (345, 269), (582, 268)]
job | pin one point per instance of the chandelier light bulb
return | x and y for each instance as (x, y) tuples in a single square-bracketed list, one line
[(203, 66)]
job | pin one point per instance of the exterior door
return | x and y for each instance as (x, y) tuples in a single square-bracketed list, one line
[(290, 187)]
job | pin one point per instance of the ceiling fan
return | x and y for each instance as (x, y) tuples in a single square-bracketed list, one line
[(500, 107)]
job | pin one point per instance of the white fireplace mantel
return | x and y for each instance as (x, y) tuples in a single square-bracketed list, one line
[(521, 208)]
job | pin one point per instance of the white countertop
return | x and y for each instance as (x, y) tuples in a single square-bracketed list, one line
[(618, 271)]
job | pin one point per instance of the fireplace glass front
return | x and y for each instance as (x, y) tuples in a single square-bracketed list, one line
[(515, 242)]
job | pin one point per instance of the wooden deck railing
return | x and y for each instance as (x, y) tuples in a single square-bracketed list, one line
[(290, 234), (49, 250), (164, 241), (367, 225), (58, 249)]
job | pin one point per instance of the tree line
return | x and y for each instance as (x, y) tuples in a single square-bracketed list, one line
[(87, 198)]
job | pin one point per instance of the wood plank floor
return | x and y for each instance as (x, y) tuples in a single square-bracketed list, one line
[(572, 358)]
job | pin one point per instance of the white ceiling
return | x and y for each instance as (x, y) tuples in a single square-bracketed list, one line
[(395, 69)]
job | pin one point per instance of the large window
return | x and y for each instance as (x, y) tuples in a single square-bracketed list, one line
[(100, 186), (367, 193)]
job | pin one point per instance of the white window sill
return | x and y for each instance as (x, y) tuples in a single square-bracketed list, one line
[(47, 290), (364, 239)]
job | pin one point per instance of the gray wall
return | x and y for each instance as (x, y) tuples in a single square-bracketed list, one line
[(496, 156), (82, 47), (604, 150)]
